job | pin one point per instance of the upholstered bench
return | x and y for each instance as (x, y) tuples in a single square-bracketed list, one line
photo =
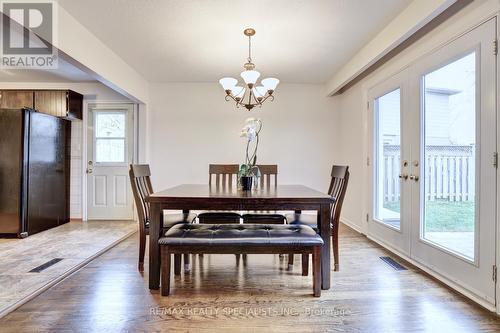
[(240, 238)]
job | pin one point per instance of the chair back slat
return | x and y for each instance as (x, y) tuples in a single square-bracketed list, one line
[(223, 174), (337, 189), (140, 179), (268, 173)]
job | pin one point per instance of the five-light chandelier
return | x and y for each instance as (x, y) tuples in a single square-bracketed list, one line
[(250, 95)]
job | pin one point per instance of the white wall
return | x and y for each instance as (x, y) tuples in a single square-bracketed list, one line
[(352, 136), (190, 125), (351, 108), (91, 91)]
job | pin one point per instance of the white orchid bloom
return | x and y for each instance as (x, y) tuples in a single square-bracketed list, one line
[(252, 121), (251, 134), (248, 132)]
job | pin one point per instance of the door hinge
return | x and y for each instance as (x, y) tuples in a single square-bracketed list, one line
[(368, 161), (494, 276), (368, 105), (367, 217), (495, 159), (495, 47)]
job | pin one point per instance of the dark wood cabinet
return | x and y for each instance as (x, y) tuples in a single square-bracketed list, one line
[(74, 105), (66, 104), (51, 102), (16, 99)]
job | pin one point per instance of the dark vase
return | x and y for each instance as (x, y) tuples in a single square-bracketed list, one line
[(246, 183)]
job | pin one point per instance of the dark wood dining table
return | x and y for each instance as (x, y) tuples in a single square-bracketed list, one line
[(205, 197)]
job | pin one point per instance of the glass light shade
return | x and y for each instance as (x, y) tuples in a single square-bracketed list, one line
[(259, 91), (228, 83), (238, 92), (270, 83), (250, 77)]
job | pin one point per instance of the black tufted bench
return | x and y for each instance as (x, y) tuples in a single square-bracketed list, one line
[(240, 238)]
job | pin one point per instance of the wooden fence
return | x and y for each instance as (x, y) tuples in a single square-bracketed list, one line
[(448, 175)]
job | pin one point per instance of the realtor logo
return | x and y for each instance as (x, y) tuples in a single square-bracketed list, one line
[(28, 34)]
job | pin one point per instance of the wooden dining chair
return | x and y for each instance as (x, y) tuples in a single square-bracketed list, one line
[(268, 179), (221, 177), (337, 189), (140, 180)]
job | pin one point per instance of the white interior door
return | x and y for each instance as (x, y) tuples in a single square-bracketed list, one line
[(454, 177), (110, 152), (389, 220)]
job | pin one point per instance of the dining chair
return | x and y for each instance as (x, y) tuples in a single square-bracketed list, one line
[(337, 189), (221, 177), (268, 179), (140, 180)]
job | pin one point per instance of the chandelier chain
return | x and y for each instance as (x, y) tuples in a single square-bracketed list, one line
[(249, 48)]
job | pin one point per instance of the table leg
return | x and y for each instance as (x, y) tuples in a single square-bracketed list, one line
[(325, 231), (155, 225)]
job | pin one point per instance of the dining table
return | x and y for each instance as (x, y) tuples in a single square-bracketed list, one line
[(189, 197)]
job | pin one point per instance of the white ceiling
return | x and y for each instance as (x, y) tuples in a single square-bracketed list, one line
[(298, 41)]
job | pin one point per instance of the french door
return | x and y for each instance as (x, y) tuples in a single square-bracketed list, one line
[(434, 180)]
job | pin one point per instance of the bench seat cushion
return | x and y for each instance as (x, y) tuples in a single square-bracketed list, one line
[(241, 235)]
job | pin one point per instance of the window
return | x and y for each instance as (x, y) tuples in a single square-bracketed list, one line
[(110, 137)]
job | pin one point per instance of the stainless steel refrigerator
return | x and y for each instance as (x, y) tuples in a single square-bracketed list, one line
[(34, 171)]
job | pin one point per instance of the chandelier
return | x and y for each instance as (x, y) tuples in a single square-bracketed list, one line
[(250, 94)]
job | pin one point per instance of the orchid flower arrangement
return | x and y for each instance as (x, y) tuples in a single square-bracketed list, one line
[(251, 131)]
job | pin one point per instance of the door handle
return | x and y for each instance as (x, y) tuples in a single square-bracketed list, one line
[(414, 177), (403, 176), (90, 168)]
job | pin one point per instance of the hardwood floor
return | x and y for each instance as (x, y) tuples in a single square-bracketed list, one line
[(367, 295)]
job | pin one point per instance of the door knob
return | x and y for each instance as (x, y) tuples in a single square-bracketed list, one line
[(414, 177), (403, 176)]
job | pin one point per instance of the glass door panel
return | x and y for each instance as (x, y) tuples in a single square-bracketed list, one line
[(388, 158), (389, 202), (449, 149)]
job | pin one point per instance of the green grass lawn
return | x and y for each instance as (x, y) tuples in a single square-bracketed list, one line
[(444, 215)]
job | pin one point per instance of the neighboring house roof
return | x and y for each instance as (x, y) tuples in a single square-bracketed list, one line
[(442, 91)]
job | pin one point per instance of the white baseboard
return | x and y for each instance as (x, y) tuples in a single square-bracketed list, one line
[(352, 225)]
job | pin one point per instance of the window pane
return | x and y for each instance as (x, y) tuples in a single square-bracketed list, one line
[(388, 158), (449, 156), (110, 150), (110, 125)]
